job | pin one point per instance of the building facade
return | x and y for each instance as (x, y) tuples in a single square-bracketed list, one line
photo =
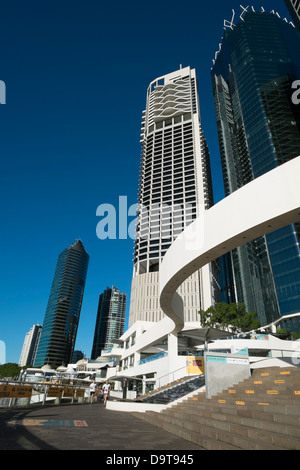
[(77, 356), (110, 320), (61, 320), (259, 129), (175, 184), (294, 9), (30, 345)]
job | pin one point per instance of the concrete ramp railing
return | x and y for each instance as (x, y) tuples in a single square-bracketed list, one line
[(268, 203)]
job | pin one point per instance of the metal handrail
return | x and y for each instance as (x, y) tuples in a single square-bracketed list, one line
[(42, 388), (173, 372)]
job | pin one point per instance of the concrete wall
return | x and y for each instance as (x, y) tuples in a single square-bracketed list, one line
[(224, 370)]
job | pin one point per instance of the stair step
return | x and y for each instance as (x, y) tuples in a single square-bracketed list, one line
[(228, 432), (253, 412), (260, 413), (199, 439), (208, 416), (258, 398), (228, 437), (276, 383), (292, 389), (262, 406), (272, 397), (270, 371)]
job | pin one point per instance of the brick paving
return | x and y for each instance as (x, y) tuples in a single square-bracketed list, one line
[(97, 428)]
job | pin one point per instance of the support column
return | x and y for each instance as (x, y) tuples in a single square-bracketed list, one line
[(172, 354)]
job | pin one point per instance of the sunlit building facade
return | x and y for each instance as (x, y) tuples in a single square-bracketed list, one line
[(110, 320), (30, 346), (61, 320), (175, 184), (259, 129)]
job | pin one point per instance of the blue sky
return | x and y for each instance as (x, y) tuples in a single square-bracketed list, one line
[(76, 76)]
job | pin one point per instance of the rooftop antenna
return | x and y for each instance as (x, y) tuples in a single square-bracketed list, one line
[(244, 11), (230, 24)]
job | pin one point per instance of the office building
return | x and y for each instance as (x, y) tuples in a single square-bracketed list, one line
[(175, 184), (259, 129), (110, 320), (30, 345), (61, 320), (77, 356)]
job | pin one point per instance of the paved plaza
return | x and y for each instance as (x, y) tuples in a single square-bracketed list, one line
[(83, 427)]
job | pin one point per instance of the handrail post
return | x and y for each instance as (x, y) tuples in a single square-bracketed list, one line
[(45, 394)]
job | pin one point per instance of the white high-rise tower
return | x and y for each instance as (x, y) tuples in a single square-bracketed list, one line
[(30, 345), (175, 183)]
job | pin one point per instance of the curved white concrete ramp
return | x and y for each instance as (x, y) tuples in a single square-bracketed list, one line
[(262, 206)]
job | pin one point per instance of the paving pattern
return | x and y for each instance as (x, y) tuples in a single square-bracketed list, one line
[(83, 427)]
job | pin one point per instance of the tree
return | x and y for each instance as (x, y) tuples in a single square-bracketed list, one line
[(232, 317), (10, 370)]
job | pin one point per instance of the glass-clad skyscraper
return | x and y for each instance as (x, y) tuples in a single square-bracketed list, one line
[(110, 320), (61, 320), (259, 129), (175, 183), (294, 9)]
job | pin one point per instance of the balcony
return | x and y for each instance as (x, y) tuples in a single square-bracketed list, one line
[(153, 358)]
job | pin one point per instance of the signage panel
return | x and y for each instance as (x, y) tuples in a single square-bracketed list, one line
[(54, 392), (194, 365), (69, 392), (15, 391)]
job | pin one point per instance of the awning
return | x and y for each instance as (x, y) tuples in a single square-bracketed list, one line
[(117, 341), (123, 377), (204, 335)]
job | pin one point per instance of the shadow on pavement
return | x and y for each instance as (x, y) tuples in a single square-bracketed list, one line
[(17, 436)]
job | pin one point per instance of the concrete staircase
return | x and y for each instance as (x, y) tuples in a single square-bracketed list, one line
[(174, 390), (260, 413)]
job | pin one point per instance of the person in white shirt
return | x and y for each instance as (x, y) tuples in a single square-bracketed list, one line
[(106, 390), (93, 388)]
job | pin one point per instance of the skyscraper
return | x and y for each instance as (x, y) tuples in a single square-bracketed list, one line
[(294, 9), (259, 129), (61, 320), (30, 346), (110, 320), (175, 184)]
